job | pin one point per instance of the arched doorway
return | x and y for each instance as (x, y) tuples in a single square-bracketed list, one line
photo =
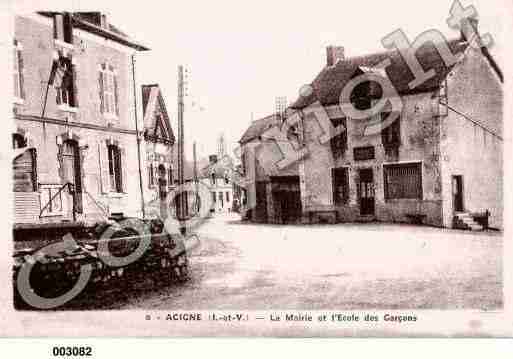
[(72, 172)]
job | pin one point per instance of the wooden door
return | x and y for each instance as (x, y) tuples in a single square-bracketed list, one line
[(72, 171), (366, 192), (457, 193)]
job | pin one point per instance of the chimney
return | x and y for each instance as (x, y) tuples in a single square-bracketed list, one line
[(103, 21), (333, 54), (212, 159), (469, 31)]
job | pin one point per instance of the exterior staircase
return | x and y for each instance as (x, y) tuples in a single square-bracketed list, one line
[(464, 220)]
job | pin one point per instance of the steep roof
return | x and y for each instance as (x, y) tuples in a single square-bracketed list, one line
[(220, 168), (151, 98), (328, 84), (146, 91), (257, 127)]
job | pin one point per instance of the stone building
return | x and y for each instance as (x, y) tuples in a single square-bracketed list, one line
[(439, 162), (75, 111)]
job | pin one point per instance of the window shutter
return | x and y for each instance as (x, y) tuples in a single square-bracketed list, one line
[(20, 69), (100, 87), (151, 177), (75, 87), (123, 165), (116, 95), (104, 167), (58, 95)]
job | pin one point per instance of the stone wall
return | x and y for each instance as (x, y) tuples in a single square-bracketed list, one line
[(475, 92)]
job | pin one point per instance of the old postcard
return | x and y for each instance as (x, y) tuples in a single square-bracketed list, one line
[(327, 169)]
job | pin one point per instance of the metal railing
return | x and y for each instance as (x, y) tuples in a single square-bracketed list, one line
[(70, 187)]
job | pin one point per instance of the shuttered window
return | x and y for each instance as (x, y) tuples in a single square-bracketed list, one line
[(403, 181), (25, 172), (18, 71), (151, 176), (108, 91)]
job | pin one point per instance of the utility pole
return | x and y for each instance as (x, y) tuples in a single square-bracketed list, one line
[(196, 191), (182, 196), (138, 139)]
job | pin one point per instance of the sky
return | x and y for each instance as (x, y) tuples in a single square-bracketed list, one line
[(241, 55)]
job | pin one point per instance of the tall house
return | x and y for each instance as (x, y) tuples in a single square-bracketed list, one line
[(75, 110), (159, 140)]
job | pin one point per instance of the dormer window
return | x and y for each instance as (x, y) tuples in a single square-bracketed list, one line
[(64, 81), (63, 28), (63, 78)]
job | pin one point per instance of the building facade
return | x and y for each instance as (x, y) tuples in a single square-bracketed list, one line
[(159, 141), (75, 111), (439, 162), (216, 177)]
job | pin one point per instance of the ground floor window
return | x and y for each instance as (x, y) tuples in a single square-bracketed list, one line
[(227, 197), (221, 198), (340, 181), (403, 181), (116, 184)]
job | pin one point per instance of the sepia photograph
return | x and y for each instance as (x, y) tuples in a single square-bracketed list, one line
[(240, 169)]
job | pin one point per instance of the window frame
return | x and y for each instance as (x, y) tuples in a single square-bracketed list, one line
[(115, 168), (109, 91), (344, 184), (151, 176), (387, 133), (68, 87), (386, 185), (18, 72)]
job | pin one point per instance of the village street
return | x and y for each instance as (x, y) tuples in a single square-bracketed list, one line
[(345, 266)]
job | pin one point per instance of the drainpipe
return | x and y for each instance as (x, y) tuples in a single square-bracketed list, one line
[(138, 137)]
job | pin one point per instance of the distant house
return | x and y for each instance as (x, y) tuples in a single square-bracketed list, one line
[(216, 176), (75, 138), (439, 162)]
